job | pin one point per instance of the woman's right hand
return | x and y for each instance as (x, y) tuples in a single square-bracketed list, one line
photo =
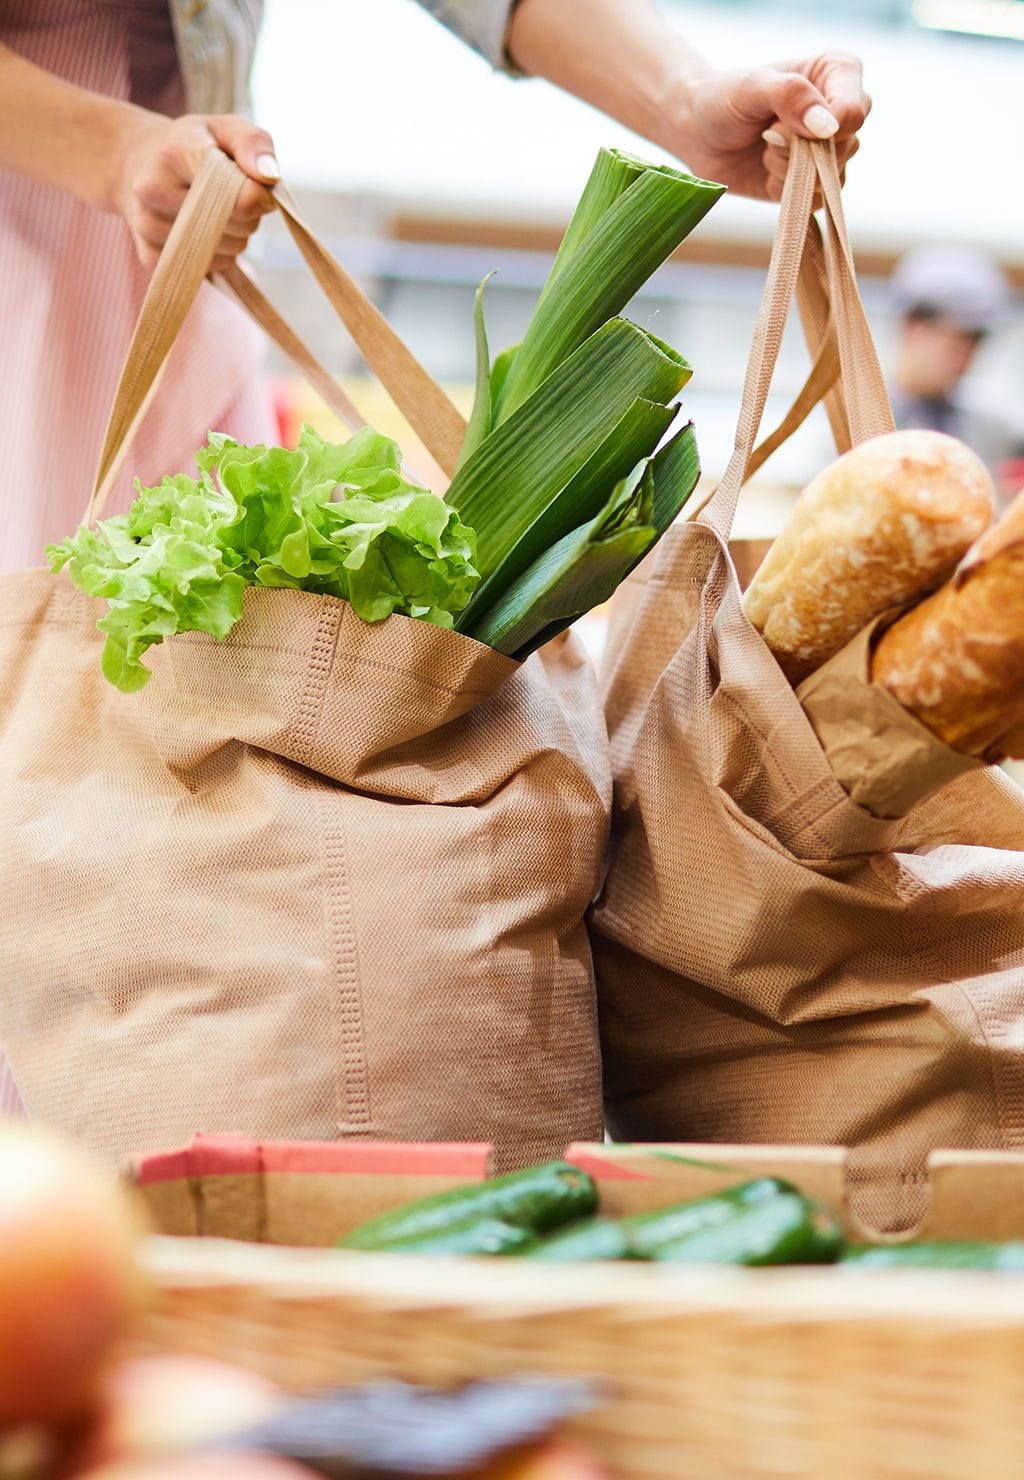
[(160, 158)]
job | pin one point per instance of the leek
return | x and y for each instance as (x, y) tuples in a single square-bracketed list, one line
[(587, 565), (636, 434), (560, 476), (528, 463), (631, 218), (480, 421)]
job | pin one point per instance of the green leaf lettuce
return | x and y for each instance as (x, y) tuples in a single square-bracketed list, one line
[(335, 519)]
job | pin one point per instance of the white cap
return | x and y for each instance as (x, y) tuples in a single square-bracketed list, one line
[(951, 282)]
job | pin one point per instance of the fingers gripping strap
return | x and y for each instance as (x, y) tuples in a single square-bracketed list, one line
[(187, 258), (842, 334)]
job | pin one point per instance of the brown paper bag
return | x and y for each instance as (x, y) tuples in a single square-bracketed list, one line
[(775, 964), (883, 757), (323, 880)]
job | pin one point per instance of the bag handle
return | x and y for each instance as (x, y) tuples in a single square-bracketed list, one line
[(845, 352), (240, 286), (186, 260)]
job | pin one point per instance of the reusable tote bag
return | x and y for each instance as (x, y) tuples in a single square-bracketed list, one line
[(326, 879), (774, 964)]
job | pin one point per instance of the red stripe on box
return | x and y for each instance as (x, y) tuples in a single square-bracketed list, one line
[(595, 1165), (161, 1166), (236, 1155)]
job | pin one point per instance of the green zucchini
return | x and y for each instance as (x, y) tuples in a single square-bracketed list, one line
[(538, 1199), (593, 1238), (649, 1232), (965, 1254), (475, 1236), (784, 1229)]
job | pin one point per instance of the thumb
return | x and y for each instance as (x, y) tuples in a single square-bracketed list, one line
[(796, 103), (250, 147)]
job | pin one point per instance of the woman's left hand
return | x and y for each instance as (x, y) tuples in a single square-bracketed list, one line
[(735, 127)]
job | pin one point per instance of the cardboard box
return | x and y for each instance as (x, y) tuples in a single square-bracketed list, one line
[(313, 1193), (764, 1374)]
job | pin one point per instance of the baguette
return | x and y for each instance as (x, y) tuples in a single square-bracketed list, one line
[(956, 662), (883, 525)]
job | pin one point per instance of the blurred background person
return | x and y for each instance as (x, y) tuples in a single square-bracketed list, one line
[(948, 300)]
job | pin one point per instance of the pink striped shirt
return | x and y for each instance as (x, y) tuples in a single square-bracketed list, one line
[(70, 289)]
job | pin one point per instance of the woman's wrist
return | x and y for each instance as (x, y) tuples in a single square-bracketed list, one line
[(673, 112), (651, 84), (115, 130), (63, 135)]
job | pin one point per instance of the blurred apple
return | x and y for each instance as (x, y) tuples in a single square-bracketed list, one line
[(157, 1406), (204, 1467), (67, 1276), (556, 1460)]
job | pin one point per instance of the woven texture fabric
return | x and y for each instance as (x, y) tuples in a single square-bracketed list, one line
[(70, 289), (325, 879), (775, 965)]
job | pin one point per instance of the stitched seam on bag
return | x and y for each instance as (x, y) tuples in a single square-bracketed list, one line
[(349, 1069), (305, 725), (679, 583), (353, 1112), (992, 1055)]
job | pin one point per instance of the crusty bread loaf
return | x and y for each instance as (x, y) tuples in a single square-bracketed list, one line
[(956, 662), (882, 525)]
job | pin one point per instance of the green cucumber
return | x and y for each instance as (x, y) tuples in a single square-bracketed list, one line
[(649, 1232), (475, 1236), (964, 1254), (593, 1238), (539, 1198), (784, 1229)]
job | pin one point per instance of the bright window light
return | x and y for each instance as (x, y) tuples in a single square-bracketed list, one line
[(1003, 18)]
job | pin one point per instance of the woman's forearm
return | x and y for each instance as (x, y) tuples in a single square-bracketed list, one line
[(624, 58), (60, 134), (620, 56), (121, 158)]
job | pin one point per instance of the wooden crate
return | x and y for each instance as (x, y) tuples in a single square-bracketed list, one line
[(709, 1374)]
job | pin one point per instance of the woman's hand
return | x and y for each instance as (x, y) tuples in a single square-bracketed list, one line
[(121, 158), (624, 58), (735, 127), (158, 161)]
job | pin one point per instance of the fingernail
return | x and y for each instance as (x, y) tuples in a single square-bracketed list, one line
[(772, 136), (820, 122), (268, 168)]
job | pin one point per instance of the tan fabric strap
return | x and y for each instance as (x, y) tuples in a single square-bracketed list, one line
[(242, 288), (795, 269), (867, 400), (237, 282), (815, 306), (823, 378), (438, 423), (186, 260), (180, 269)]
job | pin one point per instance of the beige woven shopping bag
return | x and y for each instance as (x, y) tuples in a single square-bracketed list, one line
[(774, 964), (323, 880)]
